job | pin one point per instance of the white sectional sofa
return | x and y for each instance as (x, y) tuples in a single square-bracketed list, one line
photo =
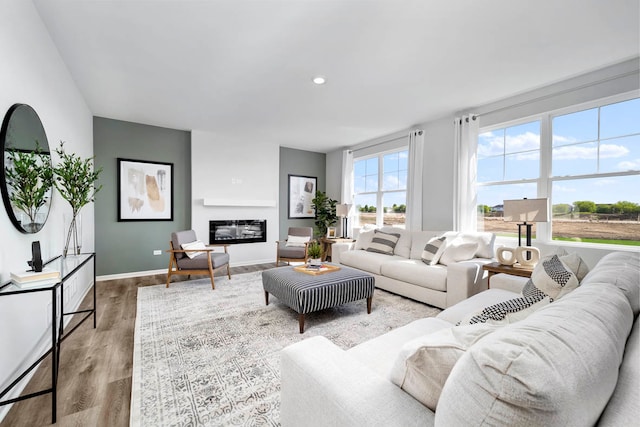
[(405, 273), (574, 362)]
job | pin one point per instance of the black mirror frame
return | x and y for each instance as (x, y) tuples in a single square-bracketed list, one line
[(3, 181)]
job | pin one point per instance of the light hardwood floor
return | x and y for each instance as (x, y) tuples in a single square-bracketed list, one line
[(94, 382)]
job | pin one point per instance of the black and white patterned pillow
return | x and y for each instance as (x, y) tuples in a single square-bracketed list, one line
[(383, 243), (433, 250)]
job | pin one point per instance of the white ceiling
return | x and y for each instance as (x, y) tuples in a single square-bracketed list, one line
[(231, 66)]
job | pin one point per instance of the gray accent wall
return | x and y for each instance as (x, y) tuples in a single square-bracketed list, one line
[(298, 162), (125, 247)]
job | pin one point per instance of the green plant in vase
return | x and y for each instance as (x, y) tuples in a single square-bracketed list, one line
[(75, 181), (29, 175), (326, 216), (314, 251)]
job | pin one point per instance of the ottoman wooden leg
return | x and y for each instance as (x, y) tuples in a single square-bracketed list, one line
[(301, 322), (266, 298), (369, 305)]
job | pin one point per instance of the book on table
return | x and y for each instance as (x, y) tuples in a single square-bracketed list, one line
[(25, 277)]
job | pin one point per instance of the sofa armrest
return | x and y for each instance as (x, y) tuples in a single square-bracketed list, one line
[(465, 278), (338, 248), (508, 282), (322, 385)]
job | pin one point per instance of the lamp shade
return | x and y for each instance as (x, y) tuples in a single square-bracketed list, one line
[(343, 210), (526, 210)]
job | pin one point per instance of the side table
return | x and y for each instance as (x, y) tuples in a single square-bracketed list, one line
[(496, 267), (326, 246)]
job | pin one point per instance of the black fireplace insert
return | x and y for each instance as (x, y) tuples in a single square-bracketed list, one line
[(234, 231)]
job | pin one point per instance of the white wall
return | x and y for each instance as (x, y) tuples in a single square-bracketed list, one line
[(33, 73), (237, 168)]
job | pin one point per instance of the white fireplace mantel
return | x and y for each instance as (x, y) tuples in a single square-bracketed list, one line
[(240, 202)]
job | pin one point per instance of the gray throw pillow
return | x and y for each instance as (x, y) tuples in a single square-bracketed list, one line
[(383, 243)]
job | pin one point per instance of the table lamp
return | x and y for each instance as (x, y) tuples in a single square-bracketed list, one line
[(527, 211), (342, 211)]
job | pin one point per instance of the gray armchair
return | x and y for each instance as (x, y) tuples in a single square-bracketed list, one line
[(288, 253), (203, 259)]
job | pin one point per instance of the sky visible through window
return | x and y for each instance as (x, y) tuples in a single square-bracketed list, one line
[(584, 143)]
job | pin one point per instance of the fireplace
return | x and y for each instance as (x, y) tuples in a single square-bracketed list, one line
[(234, 231)]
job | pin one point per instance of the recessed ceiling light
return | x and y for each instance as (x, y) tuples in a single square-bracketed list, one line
[(319, 80)]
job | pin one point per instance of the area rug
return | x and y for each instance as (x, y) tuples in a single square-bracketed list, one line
[(206, 357)]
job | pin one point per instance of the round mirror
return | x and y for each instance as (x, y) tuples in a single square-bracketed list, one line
[(26, 180)]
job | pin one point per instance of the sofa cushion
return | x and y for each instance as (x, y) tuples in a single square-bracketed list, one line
[(433, 250), (457, 251), (424, 363), (367, 261), (624, 407), (383, 242), (417, 273), (418, 241), (558, 367), (381, 353)]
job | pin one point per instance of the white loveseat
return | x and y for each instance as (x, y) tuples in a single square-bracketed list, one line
[(405, 273), (573, 362)]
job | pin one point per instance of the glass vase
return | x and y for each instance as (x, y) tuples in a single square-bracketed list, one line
[(73, 235)]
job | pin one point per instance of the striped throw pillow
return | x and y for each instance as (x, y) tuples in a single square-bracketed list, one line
[(383, 243), (433, 250)]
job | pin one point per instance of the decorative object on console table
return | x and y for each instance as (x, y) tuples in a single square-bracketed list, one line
[(342, 210), (331, 232), (527, 256), (301, 191), (36, 257), (145, 190), (527, 211), (29, 276), (75, 180)]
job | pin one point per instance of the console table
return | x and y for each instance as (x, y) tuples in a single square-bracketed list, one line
[(327, 243), (68, 266)]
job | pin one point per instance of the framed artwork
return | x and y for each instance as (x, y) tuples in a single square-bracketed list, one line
[(145, 190), (302, 190), (331, 232)]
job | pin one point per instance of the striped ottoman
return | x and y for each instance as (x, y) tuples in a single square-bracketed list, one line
[(306, 293)]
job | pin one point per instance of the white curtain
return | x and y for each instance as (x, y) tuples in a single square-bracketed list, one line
[(347, 187), (414, 181), (465, 173)]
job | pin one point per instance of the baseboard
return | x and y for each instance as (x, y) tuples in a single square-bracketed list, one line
[(164, 271)]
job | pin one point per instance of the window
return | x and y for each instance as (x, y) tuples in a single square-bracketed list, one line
[(595, 176), (380, 188), (508, 168), (591, 175)]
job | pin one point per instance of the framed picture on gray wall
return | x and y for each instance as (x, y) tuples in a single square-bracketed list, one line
[(145, 190), (302, 190)]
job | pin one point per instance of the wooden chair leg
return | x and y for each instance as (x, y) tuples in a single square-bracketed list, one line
[(228, 272), (213, 285)]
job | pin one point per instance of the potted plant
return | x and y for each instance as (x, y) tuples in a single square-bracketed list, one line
[(30, 176), (75, 180), (314, 253), (325, 212)]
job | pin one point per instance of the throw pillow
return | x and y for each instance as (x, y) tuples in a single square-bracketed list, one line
[(458, 251), (550, 280), (383, 243), (433, 250), (423, 364), (297, 241), (576, 265), (364, 239), (193, 245)]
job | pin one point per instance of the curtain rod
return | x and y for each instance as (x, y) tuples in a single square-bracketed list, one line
[(419, 132), (551, 95)]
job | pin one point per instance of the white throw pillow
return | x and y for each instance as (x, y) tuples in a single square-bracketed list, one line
[(297, 241), (433, 250), (458, 251), (423, 364), (364, 239), (193, 245), (576, 265)]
